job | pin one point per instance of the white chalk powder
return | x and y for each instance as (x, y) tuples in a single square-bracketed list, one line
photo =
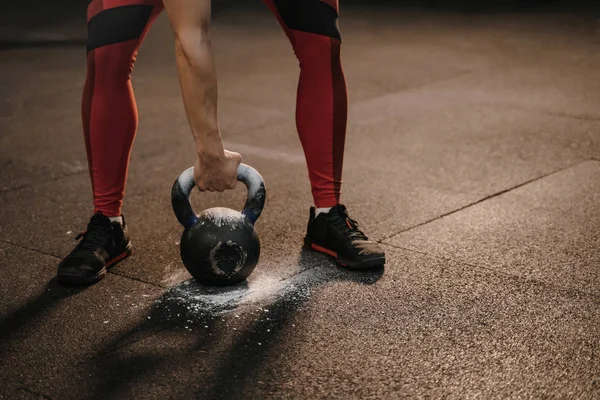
[(259, 291)]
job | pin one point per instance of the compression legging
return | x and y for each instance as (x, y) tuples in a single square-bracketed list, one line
[(116, 29)]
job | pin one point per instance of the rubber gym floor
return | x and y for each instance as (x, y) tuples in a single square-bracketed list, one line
[(472, 155)]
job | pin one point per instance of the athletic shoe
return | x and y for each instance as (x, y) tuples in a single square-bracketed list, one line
[(103, 244), (336, 234)]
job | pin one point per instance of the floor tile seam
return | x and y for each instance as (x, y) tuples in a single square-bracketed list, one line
[(30, 249), (485, 198), (137, 280), (60, 258)]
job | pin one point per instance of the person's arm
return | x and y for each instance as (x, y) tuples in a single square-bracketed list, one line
[(215, 168)]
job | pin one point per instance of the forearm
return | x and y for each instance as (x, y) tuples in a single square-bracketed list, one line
[(198, 81), (190, 20)]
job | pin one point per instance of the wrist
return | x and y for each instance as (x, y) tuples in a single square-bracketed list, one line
[(210, 145)]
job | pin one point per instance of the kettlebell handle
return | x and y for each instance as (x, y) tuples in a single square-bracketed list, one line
[(182, 188)]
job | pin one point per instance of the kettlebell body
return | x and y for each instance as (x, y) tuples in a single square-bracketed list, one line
[(219, 246)]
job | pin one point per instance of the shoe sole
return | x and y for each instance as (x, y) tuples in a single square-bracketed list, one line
[(85, 281), (370, 263)]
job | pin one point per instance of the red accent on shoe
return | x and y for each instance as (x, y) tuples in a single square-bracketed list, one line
[(323, 250), (118, 258)]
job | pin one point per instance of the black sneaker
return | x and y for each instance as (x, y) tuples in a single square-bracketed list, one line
[(336, 234), (103, 244)]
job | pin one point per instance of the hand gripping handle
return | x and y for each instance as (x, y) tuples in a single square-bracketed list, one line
[(182, 188)]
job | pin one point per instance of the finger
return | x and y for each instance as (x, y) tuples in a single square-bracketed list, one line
[(234, 156), (200, 186)]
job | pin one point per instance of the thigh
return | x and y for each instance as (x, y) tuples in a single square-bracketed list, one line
[(313, 16), (116, 21)]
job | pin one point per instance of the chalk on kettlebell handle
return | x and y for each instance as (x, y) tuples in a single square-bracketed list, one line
[(219, 246)]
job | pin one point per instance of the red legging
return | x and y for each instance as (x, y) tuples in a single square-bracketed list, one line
[(116, 29)]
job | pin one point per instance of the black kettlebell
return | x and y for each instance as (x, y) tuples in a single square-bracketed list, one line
[(219, 246)]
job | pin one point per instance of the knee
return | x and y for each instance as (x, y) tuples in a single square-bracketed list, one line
[(314, 26), (114, 43), (317, 51), (192, 36), (114, 62), (193, 43), (116, 24)]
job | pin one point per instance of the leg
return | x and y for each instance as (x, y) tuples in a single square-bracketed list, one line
[(321, 114), (321, 108), (116, 29)]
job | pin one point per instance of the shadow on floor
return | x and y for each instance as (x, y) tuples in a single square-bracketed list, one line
[(238, 364), (33, 311)]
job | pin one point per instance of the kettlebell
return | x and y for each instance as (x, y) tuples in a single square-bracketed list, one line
[(219, 246)]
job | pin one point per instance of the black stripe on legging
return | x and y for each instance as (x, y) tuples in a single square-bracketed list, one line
[(311, 16), (117, 25), (340, 115)]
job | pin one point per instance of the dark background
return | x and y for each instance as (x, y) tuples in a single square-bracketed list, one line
[(39, 22)]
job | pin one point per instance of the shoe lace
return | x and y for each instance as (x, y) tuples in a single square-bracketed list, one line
[(347, 225), (96, 235)]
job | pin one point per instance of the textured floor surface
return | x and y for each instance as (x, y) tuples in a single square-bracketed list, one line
[(473, 156)]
